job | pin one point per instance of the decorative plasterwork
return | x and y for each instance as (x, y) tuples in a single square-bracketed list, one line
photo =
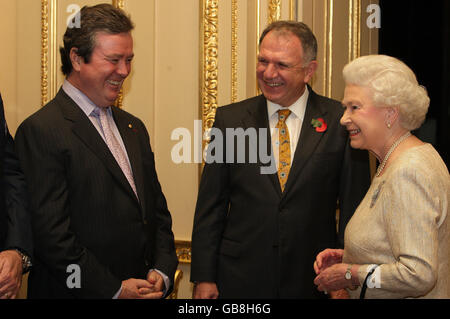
[(209, 48), (274, 11)]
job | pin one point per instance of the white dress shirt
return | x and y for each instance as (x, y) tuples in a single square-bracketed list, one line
[(89, 108), (294, 122)]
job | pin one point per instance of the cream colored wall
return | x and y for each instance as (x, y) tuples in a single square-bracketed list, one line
[(163, 88), (20, 59), (163, 92), (8, 61)]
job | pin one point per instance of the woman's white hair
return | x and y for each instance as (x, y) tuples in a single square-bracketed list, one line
[(393, 84)]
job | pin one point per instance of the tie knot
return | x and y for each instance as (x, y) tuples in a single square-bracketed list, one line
[(283, 114), (99, 110)]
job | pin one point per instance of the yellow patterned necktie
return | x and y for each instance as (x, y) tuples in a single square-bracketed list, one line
[(284, 148)]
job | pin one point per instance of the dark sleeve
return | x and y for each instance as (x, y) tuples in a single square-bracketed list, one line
[(355, 181), (56, 245), (165, 259), (210, 212), (18, 230)]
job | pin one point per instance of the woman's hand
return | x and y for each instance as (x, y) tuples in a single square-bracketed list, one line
[(333, 278), (327, 258)]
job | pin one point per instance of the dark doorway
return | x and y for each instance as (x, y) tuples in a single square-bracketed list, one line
[(418, 33)]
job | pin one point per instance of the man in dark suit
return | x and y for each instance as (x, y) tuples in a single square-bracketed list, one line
[(256, 234), (16, 245), (101, 224)]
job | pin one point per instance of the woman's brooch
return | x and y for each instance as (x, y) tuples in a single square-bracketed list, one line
[(376, 194)]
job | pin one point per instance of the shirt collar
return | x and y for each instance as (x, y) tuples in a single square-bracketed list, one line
[(298, 108), (85, 104)]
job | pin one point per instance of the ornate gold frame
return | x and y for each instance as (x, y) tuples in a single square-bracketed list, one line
[(293, 6), (119, 4), (354, 32), (274, 11), (183, 250), (234, 39), (49, 50), (329, 47), (258, 33), (209, 53)]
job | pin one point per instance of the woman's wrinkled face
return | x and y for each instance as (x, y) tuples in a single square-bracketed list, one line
[(364, 121)]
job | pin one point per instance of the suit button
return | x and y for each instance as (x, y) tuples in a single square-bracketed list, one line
[(145, 222)]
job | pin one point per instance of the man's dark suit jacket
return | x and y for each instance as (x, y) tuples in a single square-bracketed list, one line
[(84, 210), (15, 224), (255, 241)]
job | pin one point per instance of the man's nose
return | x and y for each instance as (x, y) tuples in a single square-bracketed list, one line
[(271, 71), (123, 69)]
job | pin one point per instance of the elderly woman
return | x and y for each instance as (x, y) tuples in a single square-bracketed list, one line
[(397, 244)]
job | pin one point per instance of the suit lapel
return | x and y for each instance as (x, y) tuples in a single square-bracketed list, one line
[(308, 140), (127, 130), (86, 132), (258, 118)]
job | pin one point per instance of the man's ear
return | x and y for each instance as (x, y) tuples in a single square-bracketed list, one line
[(75, 59), (310, 70)]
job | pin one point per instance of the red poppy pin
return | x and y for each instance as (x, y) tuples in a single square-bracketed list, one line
[(319, 124)]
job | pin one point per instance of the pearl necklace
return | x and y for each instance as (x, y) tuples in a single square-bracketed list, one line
[(393, 147)]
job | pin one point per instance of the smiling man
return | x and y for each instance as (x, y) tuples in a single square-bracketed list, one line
[(96, 202), (256, 235)]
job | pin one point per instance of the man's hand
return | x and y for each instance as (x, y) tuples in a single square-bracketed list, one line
[(10, 274), (156, 281), (206, 290), (138, 289)]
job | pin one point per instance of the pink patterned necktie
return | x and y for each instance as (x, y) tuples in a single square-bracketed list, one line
[(116, 149)]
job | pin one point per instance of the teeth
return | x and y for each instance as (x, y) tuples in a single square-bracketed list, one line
[(114, 82), (274, 84), (354, 131)]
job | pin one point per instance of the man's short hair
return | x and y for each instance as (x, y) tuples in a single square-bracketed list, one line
[(93, 19), (301, 31)]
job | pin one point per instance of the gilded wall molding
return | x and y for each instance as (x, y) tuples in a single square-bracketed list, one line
[(293, 7), (183, 251), (354, 32), (49, 50), (234, 60), (121, 5), (258, 34), (209, 55), (329, 11), (274, 13), (44, 52)]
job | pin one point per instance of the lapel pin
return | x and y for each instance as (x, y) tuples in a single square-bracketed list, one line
[(319, 124), (131, 127)]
